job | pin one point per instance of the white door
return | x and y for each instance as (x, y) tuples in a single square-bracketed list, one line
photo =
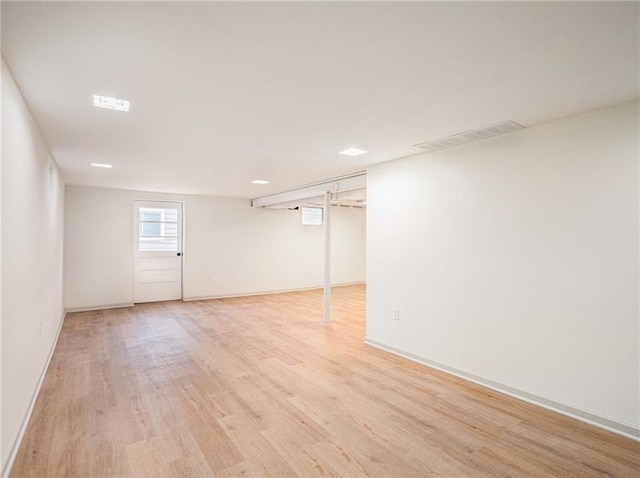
[(157, 242)]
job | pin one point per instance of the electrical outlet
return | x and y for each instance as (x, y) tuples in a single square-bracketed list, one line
[(396, 313), (39, 328)]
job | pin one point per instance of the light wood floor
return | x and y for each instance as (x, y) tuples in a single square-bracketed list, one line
[(260, 386)]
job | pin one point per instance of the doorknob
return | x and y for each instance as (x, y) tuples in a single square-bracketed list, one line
[(179, 253)]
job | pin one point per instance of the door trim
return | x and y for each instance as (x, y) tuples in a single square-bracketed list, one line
[(134, 246)]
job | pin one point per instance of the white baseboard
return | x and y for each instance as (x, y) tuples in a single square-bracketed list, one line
[(623, 429), (90, 308), (267, 292), (17, 441)]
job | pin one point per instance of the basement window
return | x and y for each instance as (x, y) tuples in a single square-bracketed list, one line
[(312, 216)]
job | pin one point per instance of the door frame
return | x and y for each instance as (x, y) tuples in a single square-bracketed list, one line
[(134, 239)]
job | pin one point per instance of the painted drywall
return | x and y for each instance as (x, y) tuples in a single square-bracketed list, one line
[(515, 260), (32, 260), (229, 247)]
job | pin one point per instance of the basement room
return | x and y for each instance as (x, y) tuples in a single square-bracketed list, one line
[(300, 239)]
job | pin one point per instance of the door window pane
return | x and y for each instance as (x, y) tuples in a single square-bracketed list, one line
[(150, 229), (148, 214)]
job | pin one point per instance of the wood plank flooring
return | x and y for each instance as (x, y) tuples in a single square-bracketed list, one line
[(259, 386)]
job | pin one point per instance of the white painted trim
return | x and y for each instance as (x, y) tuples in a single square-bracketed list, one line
[(89, 308), (341, 184), (267, 292), (6, 469), (326, 219), (137, 203), (626, 430)]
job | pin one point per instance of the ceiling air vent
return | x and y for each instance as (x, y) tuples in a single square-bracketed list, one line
[(468, 136)]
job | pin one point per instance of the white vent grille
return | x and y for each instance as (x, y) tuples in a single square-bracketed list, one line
[(468, 136)]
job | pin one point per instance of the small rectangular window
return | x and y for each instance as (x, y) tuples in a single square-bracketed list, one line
[(312, 216), (158, 229)]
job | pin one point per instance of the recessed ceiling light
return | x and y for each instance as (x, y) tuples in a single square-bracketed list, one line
[(260, 181), (101, 165), (353, 152), (110, 103)]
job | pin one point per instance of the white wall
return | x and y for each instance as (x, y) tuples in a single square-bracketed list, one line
[(230, 248), (514, 261), (32, 225)]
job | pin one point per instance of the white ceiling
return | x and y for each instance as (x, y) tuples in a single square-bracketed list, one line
[(224, 93)]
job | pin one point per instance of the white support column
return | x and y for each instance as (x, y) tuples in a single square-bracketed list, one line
[(327, 256)]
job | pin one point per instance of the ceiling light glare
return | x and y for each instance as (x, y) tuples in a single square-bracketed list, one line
[(110, 103), (260, 181), (353, 152), (101, 165)]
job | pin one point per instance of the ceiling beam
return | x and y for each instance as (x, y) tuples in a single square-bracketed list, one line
[(333, 186)]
